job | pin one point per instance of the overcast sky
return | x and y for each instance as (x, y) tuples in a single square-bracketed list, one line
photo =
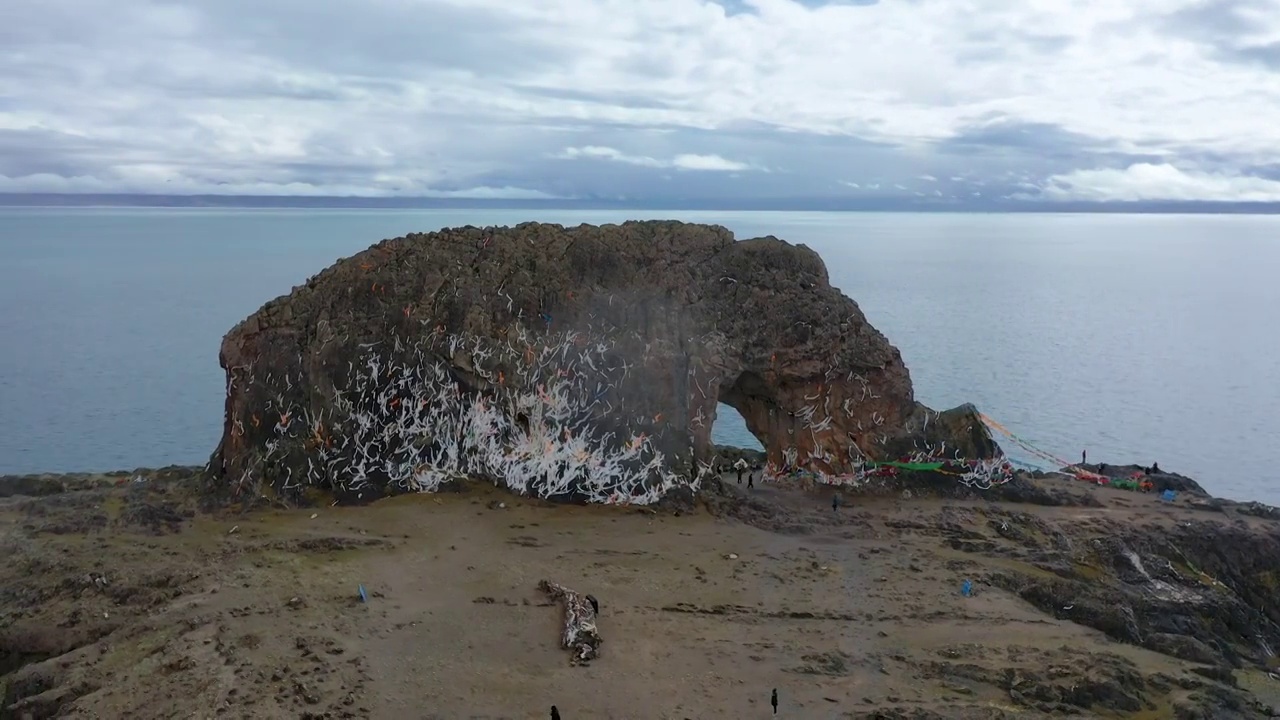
[(956, 100)]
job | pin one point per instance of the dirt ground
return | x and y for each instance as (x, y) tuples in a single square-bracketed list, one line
[(122, 602)]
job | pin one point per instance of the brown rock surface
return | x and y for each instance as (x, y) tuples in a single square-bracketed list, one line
[(579, 363), (1123, 607)]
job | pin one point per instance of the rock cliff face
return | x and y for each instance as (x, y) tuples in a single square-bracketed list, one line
[(580, 364)]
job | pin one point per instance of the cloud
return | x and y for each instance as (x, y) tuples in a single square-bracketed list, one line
[(494, 193), (1144, 181), (1230, 30), (52, 183), (689, 161), (606, 153), (683, 161), (653, 101)]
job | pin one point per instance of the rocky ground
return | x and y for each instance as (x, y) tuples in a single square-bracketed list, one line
[(121, 599)]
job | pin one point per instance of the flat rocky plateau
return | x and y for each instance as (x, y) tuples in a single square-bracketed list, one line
[(122, 599)]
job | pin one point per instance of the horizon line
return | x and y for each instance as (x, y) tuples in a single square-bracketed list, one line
[(760, 204)]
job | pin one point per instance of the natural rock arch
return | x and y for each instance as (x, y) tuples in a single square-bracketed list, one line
[(579, 363)]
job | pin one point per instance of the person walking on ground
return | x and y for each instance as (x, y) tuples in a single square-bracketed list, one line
[(751, 479), (835, 502), (555, 713), (773, 700), (740, 466)]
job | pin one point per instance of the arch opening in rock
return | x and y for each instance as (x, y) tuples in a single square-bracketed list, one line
[(730, 430)]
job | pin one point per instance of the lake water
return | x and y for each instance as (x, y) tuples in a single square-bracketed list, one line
[(1141, 338)]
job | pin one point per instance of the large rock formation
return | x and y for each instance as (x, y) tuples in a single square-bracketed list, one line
[(577, 363)]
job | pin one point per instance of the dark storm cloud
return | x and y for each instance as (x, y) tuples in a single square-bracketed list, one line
[(1007, 135), (351, 37), (1266, 54), (28, 152), (1225, 27)]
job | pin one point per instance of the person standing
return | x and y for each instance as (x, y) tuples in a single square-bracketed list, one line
[(1084, 457)]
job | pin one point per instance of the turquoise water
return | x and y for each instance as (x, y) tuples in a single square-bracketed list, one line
[(1141, 338)]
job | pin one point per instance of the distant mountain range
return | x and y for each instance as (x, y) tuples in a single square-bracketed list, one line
[(814, 204)]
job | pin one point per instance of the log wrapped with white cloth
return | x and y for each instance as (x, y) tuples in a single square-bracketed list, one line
[(580, 636)]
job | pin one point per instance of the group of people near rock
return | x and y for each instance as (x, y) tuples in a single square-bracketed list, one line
[(1140, 481), (1102, 467), (750, 469)]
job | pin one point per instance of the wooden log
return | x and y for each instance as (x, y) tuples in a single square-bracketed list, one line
[(580, 636)]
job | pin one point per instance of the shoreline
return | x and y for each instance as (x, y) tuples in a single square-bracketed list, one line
[(705, 605)]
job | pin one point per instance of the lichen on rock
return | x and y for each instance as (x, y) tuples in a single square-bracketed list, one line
[(580, 364)]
